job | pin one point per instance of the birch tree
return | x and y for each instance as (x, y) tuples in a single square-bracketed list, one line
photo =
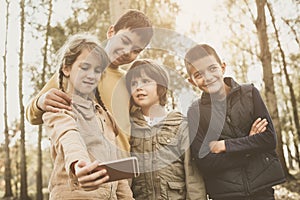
[(23, 170), (7, 173)]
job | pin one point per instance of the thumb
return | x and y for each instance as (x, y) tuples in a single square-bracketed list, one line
[(81, 163)]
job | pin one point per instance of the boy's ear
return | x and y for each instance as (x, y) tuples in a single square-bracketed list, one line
[(110, 32), (223, 66), (192, 82)]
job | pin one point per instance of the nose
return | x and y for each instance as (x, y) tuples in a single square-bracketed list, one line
[(137, 87), (207, 76), (91, 75), (128, 51)]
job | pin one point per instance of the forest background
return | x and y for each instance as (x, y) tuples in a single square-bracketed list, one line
[(258, 39)]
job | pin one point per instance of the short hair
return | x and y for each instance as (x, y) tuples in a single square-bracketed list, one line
[(199, 51), (155, 72), (136, 21)]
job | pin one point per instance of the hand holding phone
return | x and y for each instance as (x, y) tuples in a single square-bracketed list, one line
[(120, 169)]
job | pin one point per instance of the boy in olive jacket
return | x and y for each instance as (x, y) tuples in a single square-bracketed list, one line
[(159, 139)]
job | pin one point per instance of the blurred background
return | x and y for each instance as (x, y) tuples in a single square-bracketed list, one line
[(259, 40)]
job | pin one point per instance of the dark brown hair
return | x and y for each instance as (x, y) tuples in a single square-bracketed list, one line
[(155, 72), (197, 52), (136, 21)]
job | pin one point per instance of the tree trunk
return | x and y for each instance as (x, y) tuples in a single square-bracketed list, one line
[(7, 174), (287, 77), (39, 173), (23, 172), (117, 8), (265, 58), (290, 129), (39, 176)]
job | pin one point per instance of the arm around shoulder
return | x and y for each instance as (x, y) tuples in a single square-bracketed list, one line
[(33, 112)]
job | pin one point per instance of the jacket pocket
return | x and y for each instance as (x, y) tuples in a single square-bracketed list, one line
[(135, 144), (165, 138), (176, 190), (267, 171)]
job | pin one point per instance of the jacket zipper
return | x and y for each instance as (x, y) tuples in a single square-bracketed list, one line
[(245, 182)]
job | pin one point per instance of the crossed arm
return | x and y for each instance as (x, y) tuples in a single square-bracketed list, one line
[(213, 155), (258, 126)]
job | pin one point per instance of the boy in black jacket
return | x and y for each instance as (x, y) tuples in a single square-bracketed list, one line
[(232, 136)]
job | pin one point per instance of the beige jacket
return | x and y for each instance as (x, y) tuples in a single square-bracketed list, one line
[(114, 95), (167, 171), (87, 133)]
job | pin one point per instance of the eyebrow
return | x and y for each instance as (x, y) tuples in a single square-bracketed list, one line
[(211, 65), (86, 63), (127, 38)]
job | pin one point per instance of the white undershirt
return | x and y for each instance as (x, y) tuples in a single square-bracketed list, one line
[(153, 121)]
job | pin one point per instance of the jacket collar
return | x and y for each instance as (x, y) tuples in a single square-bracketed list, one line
[(206, 98), (85, 106), (172, 119)]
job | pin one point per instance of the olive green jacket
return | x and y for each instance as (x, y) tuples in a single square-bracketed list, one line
[(164, 160)]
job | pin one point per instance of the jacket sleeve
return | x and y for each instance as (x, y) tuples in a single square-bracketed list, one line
[(205, 160), (260, 142), (66, 139), (123, 190), (33, 113), (193, 178)]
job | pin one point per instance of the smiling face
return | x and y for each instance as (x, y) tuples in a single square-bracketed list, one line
[(124, 46), (144, 92), (84, 74), (207, 74)]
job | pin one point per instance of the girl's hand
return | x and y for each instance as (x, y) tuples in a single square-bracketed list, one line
[(259, 126), (217, 146), (88, 178)]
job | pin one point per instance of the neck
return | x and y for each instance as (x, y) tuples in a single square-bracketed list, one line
[(220, 96), (112, 66), (154, 111)]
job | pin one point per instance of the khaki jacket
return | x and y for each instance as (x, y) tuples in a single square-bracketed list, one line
[(165, 161), (87, 133)]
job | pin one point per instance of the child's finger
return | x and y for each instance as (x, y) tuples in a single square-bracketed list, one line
[(262, 125), (256, 122), (85, 169), (94, 185), (93, 179)]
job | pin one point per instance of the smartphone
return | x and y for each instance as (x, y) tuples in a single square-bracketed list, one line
[(124, 168)]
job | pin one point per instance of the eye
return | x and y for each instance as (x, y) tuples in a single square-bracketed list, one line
[(213, 68), (133, 84), (84, 66), (146, 81), (137, 51), (98, 70), (125, 41), (198, 75)]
